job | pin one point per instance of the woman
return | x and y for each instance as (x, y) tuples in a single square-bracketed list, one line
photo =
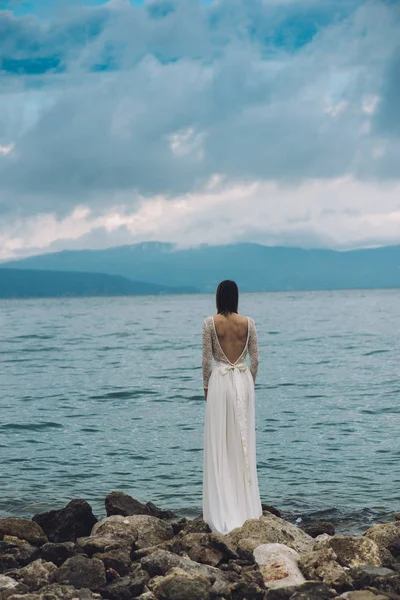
[(230, 484)]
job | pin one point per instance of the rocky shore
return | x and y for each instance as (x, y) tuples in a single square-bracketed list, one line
[(145, 553)]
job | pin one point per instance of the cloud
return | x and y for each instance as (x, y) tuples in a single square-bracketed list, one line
[(341, 213), (117, 101)]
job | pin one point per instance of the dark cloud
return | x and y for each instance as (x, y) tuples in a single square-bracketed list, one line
[(156, 99)]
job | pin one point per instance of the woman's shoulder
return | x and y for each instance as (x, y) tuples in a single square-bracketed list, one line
[(207, 321)]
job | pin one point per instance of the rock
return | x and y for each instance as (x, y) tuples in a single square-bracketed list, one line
[(69, 523), (141, 529), (316, 528), (126, 587), (322, 565), (118, 559), (35, 575), (366, 576), (310, 590), (397, 516), (23, 529), (249, 585), (363, 595), (80, 572), (388, 583), (278, 565), (9, 586), (105, 543), (119, 503), (271, 509), (55, 553), (15, 553), (180, 585), (58, 592), (386, 535), (269, 529), (207, 548), (196, 526), (354, 551), (162, 561)]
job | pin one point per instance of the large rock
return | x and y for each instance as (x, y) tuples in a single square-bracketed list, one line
[(322, 565), (269, 529), (354, 551), (363, 595), (118, 559), (180, 585), (316, 528), (310, 590), (386, 535), (35, 575), (367, 576), (24, 529), (271, 509), (141, 529), (81, 571), (10, 585), (106, 543), (162, 561), (69, 523), (55, 553), (278, 565), (126, 588), (15, 553), (119, 503), (56, 591), (206, 548)]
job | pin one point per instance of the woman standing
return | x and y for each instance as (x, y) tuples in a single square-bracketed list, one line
[(230, 483)]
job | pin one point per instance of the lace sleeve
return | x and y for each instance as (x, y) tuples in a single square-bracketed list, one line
[(207, 354), (253, 349)]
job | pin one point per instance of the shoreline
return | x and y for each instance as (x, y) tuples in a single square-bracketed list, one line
[(140, 551)]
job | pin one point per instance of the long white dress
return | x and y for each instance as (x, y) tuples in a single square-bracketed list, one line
[(230, 484)]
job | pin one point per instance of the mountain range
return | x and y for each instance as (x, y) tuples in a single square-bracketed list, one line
[(255, 268), (33, 283)]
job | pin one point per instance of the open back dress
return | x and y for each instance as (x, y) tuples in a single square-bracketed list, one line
[(230, 483)]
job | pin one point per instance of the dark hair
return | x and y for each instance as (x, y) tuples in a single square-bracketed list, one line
[(227, 297)]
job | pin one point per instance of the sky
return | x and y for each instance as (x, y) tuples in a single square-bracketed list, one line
[(192, 122)]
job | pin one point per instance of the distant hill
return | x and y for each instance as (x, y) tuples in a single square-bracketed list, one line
[(253, 266), (31, 283)]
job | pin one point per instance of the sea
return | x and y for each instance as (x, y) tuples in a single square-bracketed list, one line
[(105, 394)]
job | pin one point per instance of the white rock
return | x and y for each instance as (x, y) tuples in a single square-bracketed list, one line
[(7, 583), (278, 565)]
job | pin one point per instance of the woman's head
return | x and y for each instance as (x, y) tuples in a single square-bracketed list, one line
[(227, 297)]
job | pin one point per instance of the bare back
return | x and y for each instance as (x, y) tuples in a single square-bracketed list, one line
[(232, 333)]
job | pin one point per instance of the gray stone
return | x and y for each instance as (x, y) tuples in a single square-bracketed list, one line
[(117, 559), (386, 535), (35, 575), (180, 585), (141, 529), (55, 553), (316, 528), (24, 529), (119, 503), (366, 576), (127, 587), (322, 565), (270, 529), (69, 523), (80, 572), (354, 551)]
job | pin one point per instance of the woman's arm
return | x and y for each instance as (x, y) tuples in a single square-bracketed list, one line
[(253, 349), (207, 357)]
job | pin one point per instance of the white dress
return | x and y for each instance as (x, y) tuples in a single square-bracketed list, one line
[(230, 483)]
